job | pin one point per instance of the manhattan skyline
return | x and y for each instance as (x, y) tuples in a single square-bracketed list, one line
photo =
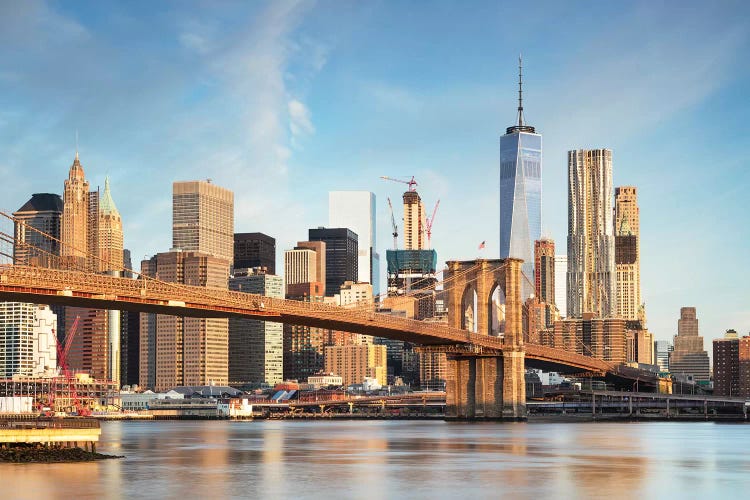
[(273, 103)]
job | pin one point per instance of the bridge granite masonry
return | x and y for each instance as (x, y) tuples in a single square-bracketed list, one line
[(485, 378)]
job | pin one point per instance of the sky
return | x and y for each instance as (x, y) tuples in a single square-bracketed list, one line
[(284, 101)]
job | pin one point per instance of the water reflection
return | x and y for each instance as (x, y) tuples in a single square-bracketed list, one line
[(378, 459)]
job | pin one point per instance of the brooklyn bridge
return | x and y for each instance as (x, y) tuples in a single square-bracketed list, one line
[(486, 372)]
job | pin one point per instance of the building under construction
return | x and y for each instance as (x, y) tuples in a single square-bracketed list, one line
[(411, 278), (77, 394)]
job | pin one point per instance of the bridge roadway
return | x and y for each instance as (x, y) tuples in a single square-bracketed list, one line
[(79, 289)]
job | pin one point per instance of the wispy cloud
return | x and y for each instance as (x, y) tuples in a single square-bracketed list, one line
[(300, 121)]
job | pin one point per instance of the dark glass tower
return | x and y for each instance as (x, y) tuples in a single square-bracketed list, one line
[(341, 255), (255, 250)]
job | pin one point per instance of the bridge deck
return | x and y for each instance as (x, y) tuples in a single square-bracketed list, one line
[(75, 288)]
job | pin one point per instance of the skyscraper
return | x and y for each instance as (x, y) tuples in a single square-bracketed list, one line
[(603, 338), (27, 343), (111, 260), (319, 247), (181, 350), (689, 357), (744, 366), (662, 349), (75, 218), (303, 345), (727, 365), (341, 256), (520, 190), (255, 250), (190, 351), (300, 266), (256, 347), (410, 271), (414, 221), (356, 211), (42, 212), (544, 277), (91, 240), (353, 363), (203, 219), (591, 242), (627, 253), (110, 233), (561, 284)]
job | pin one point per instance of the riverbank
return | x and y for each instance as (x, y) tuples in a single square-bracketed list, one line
[(37, 454)]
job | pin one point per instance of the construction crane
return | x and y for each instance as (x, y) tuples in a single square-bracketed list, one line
[(64, 349), (62, 361), (428, 223), (393, 225), (412, 183)]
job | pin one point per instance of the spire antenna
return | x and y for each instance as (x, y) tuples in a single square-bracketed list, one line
[(520, 125), (520, 91), (76, 144)]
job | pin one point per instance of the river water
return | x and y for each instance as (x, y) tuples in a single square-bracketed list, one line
[(399, 459)]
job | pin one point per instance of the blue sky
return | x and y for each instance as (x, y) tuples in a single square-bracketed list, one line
[(285, 101)]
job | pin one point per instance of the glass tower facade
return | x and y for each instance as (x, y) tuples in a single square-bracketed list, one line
[(520, 196), (521, 192), (356, 210)]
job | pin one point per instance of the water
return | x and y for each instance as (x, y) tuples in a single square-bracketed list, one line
[(399, 459)]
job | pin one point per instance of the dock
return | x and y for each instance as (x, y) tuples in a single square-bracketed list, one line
[(51, 432)]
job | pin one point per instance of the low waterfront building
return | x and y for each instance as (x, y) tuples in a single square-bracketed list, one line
[(139, 401), (329, 380)]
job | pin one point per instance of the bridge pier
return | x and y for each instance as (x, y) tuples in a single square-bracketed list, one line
[(486, 387)]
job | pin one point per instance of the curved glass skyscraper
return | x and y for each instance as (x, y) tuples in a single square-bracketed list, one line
[(521, 191)]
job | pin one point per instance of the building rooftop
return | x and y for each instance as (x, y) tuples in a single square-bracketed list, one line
[(106, 203), (206, 391), (43, 202)]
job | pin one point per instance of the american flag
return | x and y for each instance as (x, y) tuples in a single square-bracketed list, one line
[(481, 245)]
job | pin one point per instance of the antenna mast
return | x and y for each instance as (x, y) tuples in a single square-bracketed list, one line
[(520, 91)]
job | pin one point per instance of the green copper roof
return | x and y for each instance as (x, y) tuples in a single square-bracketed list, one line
[(106, 203)]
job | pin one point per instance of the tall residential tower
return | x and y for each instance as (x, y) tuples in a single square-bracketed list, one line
[(591, 237), (520, 190), (628, 253)]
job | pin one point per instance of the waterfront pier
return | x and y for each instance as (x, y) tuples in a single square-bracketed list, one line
[(50, 433)]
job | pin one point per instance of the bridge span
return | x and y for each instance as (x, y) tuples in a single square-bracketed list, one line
[(79, 289), (485, 373)]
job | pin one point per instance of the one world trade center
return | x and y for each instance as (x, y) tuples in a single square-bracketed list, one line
[(521, 191)]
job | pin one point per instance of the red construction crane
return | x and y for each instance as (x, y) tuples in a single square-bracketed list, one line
[(62, 362), (428, 223), (393, 225), (64, 349), (412, 183)]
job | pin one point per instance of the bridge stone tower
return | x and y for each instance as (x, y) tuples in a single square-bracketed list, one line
[(484, 297)]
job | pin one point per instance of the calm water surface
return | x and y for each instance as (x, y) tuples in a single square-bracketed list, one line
[(400, 459)]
